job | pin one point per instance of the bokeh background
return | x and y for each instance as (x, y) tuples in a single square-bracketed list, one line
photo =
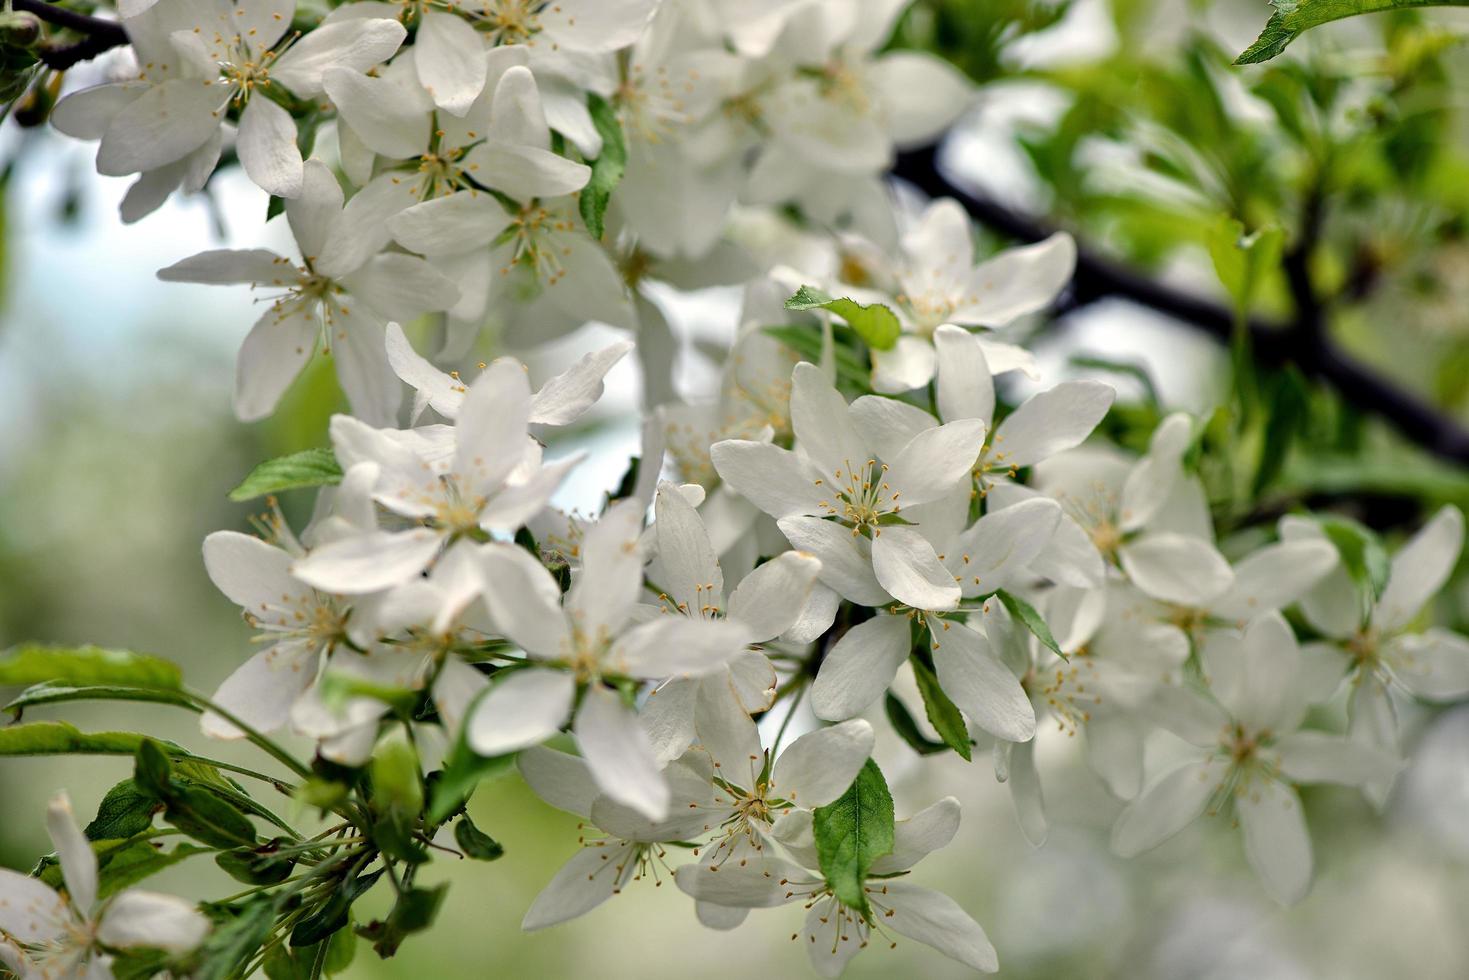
[(117, 448)]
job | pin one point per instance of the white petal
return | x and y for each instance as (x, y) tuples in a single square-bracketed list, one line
[(909, 570), (372, 389), (162, 125), (78, 861), (936, 461), (619, 754), (448, 225), (1025, 793), (450, 58), (1419, 569), (691, 572), (1052, 422), (255, 575), (261, 691), (30, 911), (1276, 840), (86, 114), (560, 779), (361, 230), (369, 562), (908, 364), (1255, 676), (314, 213), (1001, 545), (148, 919), (752, 887), (225, 266), (606, 592), (1017, 282), (523, 709), (822, 424), (354, 44), (1433, 665), (771, 599), (859, 667), (389, 116), (273, 353), (566, 397), (937, 920), (672, 645), (980, 685), (1177, 569), (1316, 757), (726, 733), (267, 147), (965, 388), (490, 435), (593, 875), (401, 287), (524, 600), (1274, 577), (886, 425), (846, 563), (1150, 483), (920, 835), (776, 480), (518, 503), (1163, 809), (819, 766), (597, 25)]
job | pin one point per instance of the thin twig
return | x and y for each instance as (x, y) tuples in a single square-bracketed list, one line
[(98, 35)]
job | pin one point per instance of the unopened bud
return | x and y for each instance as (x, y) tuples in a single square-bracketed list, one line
[(20, 28)]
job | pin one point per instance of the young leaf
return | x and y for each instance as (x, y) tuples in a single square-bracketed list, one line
[(1292, 18), (475, 843), (852, 371), (335, 913), (234, 941), (1028, 615), (877, 325), (121, 863), (853, 831), (414, 911), (32, 663), (208, 818), (308, 468), (903, 723), (54, 692), (607, 169), (256, 866), (1362, 555), (942, 714)]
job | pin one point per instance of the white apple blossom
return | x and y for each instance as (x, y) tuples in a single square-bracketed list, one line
[(50, 935)]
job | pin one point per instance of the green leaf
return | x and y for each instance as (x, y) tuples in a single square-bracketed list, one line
[(1242, 260), (853, 831), (86, 666), (414, 911), (397, 799), (125, 811), (121, 863), (308, 468), (257, 866), (340, 951), (55, 692), (942, 714), (1289, 401), (877, 325), (208, 818), (1362, 555), (805, 340), (60, 738), (152, 772), (1292, 18), (903, 723), (607, 169), (1028, 615), (335, 913), (233, 942), (475, 843)]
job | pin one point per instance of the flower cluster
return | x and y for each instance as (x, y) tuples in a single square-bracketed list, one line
[(863, 537)]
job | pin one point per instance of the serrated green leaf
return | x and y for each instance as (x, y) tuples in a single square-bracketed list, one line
[(607, 169), (125, 811), (1292, 18), (308, 468), (942, 713), (1027, 614), (853, 831), (85, 666), (877, 325)]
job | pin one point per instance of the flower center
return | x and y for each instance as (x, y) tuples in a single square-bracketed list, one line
[(863, 496)]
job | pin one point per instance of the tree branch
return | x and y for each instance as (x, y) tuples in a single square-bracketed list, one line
[(1303, 343), (99, 35)]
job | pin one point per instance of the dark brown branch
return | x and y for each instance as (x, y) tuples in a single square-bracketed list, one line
[(98, 35), (1305, 344)]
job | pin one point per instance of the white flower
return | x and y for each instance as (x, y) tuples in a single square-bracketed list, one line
[(560, 401), (1384, 650), (833, 933), (1254, 755), (599, 635), (341, 295), (45, 935), (841, 476), (487, 478), (204, 57)]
